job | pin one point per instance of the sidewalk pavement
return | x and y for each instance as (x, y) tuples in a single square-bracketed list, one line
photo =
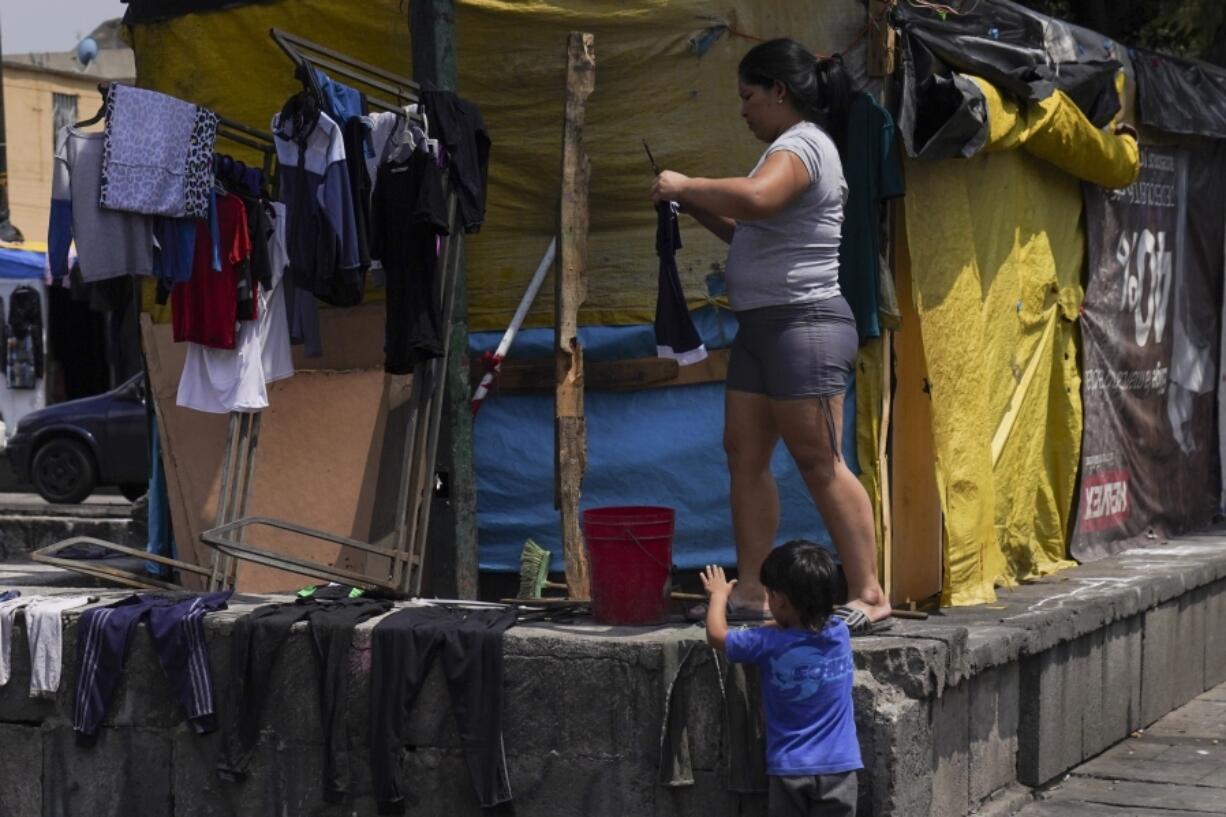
[(1175, 768)]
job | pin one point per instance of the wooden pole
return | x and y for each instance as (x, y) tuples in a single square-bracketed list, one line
[(570, 433)]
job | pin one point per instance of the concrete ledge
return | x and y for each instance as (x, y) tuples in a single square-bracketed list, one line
[(953, 713), (26, 527)]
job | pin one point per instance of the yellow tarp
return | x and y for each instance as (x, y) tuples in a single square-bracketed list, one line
[(1055, 130), (997, 249), (650, 83)]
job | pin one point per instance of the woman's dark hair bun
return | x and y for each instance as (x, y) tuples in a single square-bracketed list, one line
[(820, 88)]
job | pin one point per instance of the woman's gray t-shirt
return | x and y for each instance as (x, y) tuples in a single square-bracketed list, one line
[(793, 256)]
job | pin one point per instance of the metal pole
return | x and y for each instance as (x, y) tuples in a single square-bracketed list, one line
[(7, 231), (452, 538)]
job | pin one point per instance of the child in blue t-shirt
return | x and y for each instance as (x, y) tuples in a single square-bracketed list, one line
[(804, 657)]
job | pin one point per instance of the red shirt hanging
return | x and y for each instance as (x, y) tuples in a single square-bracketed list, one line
[(204, 310)]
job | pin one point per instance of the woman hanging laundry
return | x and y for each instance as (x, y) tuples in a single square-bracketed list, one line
[(797, 340)]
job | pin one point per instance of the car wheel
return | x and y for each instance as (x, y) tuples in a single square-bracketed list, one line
[(133, 491), (63, 471)]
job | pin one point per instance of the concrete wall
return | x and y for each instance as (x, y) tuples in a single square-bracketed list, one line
[(951, 712)]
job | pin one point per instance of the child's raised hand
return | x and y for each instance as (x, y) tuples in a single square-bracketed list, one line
[(714, 582)]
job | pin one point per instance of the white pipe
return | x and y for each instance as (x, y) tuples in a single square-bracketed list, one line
[(522, 312)]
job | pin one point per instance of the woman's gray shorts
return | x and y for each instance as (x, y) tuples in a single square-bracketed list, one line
[(796, 350)]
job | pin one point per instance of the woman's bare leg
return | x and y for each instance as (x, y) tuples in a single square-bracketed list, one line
[(750, 438), (839, 496)]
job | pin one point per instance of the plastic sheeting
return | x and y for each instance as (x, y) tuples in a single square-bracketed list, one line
[(665, 71), (21, 264), (1055, 130), (1180, 96), (656, 447), (1027, 54), (997, 248)]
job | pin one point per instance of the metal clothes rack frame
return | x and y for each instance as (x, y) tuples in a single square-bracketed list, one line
[(403, 549), (242, 438)]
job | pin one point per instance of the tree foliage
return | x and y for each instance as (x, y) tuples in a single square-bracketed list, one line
[(1186, 28)]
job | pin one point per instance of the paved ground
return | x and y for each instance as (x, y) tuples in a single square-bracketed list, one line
[(1176, 768)]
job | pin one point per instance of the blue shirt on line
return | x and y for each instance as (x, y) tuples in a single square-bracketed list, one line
[(806, 696)]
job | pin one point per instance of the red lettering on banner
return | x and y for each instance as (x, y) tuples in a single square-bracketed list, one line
[(1104, 500)]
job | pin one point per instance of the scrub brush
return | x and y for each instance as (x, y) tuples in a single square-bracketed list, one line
[(534, 572)]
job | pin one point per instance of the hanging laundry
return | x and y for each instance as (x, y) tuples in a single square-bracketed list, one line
[(175, 249), (109, 243), (45, 635), (341, 102), (457, 124), (742, 710), (356, 133), (321, 234), (176, 626), (382, 124), (275, 353), (158, 154), (161, 539), (8, 609), (204, 310), (874, 175), (402, 648), (220, 381), (408, 215), (45, 632), (676, 336), (256, 642)]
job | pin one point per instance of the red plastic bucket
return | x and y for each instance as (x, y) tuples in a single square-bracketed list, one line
[(630, 553)]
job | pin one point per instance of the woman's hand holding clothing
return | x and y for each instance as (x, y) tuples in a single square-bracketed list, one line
[(718, 204)]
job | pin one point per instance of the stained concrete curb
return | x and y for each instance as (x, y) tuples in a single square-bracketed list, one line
[(953, 713), (26, 526)]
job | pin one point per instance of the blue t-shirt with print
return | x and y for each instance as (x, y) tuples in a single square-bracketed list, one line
[(806, 695)]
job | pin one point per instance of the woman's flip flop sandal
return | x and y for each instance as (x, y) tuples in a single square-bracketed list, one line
[(858, 622)]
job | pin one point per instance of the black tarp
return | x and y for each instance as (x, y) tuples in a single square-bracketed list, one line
[(154, 11), (1025, 54), (1180, 96)]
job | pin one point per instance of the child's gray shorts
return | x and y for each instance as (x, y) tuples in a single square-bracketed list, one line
[(822, 795)]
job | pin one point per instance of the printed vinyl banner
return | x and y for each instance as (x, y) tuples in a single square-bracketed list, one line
[(1150, 331)]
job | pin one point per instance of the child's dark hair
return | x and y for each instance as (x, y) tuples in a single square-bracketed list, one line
[(805, 573), (820, 88)]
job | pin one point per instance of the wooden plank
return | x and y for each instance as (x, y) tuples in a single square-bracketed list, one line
[(570, 291), (881, 39), (538, 375), (886, 567), (916, 548), (317, 463)]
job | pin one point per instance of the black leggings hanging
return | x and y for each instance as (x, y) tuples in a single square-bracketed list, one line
[(402, 648)]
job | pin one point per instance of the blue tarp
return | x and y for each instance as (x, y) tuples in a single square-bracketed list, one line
[(21, 264), (650, 447)]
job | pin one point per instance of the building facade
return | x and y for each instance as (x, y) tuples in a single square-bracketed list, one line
[(43, 92)]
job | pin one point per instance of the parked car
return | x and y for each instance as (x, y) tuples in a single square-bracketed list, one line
[(70, 449)]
